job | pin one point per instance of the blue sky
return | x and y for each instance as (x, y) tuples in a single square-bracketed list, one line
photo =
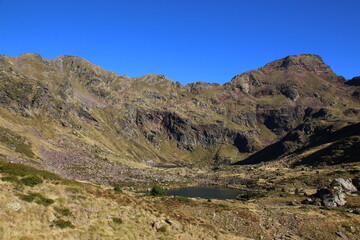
[(187, 40)]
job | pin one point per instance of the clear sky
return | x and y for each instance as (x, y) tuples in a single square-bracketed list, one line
[(186, 40)]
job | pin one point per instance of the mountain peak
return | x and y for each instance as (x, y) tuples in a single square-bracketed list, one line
[(311, 62)]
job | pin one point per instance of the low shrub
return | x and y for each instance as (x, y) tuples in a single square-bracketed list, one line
[(162, 229), (157, 191), (63, 211), (38, 197), (117, 220), (182, 199), (117, 189), (63, 224), (11, 179), (32, 181), (27, 197)]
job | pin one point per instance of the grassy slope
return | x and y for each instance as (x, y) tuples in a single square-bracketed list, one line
[(81, 210)]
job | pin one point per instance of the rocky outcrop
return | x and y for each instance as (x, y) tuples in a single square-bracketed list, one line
[(334, 195)]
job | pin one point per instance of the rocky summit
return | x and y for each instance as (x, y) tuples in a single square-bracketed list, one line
[(86, 153)]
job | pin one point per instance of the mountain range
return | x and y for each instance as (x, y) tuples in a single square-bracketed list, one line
[(69, 116)]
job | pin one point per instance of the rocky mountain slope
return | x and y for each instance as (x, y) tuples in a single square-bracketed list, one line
[(73, 118)]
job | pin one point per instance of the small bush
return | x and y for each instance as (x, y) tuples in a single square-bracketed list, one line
[(117, 220), (63, 211), (38, 197), (162, 229), (44, 201), (182, 199), (157, 191), (63, 224), (117, 189), (27, 198), (32, 181), (11, 179)]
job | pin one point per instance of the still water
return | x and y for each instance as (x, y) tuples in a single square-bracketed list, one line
[(205, 192)]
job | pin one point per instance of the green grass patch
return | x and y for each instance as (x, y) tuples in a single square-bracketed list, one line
[(15, 142), (27, 197), (182, 199), (31, 181), (63, 211), (37, 197), (18, 169), (117, 189), (22, 170), (63, 224), (11, 179), (117, 220), (162, 229), (157, 191)]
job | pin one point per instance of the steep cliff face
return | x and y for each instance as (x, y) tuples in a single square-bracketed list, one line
[(67, 104)]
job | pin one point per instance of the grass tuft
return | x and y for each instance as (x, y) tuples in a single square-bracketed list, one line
[(63, 211), (117, 189), (182, 199), (32, 181), (63, 224), (38, 197), (117, 220)]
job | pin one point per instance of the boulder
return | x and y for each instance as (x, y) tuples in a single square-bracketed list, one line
[(346, 185), (16, 206), (331, 198)]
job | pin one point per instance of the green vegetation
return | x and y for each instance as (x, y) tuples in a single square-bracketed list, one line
[(19, 169), (32, 181), (162, 229), (38, 197), (16, 142), (32, 175), (63, 224), (182, 199), (63, 211), (117, 220), (27, 197), (11, 179), (157, 191), (117, 189)]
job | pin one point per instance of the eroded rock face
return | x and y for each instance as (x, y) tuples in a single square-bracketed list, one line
[(189, 135)]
